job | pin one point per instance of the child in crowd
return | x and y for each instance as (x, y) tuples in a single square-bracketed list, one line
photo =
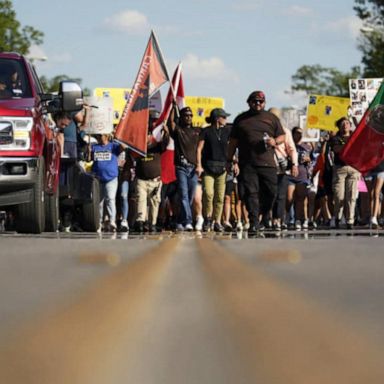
[(105, 166)]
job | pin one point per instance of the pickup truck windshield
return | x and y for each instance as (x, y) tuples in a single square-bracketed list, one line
[(14, 83)]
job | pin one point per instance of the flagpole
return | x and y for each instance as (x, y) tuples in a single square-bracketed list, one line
[(166, 71)]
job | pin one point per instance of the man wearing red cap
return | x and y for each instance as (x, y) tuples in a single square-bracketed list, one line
[(255, 133)]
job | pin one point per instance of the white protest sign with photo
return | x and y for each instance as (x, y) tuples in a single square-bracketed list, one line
[(309, 134), (362, 92), (100, 115)]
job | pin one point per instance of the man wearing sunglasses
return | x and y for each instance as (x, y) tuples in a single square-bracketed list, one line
[(255, 133), (186, 138)]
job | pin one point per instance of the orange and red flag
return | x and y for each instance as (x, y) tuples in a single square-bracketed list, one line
[(132, 129)]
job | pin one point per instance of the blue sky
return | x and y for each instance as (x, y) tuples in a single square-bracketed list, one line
[(228, 48)]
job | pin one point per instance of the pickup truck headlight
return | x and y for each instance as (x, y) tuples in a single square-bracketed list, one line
[(15, 133)]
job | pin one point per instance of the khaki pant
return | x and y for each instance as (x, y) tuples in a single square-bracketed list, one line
[(213, 196), (344, 186), (148, 195)]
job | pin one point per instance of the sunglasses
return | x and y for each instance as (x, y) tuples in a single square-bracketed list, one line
[(256, 101), (187, 115)]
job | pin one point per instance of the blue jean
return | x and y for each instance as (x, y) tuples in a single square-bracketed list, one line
[(187, 182), (124, 190), (108, 193)]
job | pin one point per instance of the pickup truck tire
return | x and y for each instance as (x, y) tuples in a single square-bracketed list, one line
[(52, 215), (91, 210), (31, 216)]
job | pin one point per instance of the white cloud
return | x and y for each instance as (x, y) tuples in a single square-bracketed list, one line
[(37, 53), (298, 10), (350, 25), (48, 60), (212, 68), (129, 21)]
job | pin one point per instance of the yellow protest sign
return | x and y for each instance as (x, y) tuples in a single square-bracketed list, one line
[(324, 111), (202, 107)]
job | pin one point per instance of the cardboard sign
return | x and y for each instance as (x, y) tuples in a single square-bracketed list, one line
[(100, 116)]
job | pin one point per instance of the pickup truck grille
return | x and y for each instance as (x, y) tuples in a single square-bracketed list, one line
[(6, 133)]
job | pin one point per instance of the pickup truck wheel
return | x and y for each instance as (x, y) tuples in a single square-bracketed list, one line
[(91, 210), (52, 215), (31, 216)]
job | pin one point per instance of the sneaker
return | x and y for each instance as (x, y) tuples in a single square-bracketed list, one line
[(276, 227), (112, 226), (298, 225), (67, 229), (139, 227), (239, 226), (124, 226), (305, 224), (312, 224), (153, 228), (246, 226), (253, 229), (373, 223), (189, 227), (332, 223), (228, 227), (199, 223), (284, 227), (217, 227), (179, 227), (207, 226)]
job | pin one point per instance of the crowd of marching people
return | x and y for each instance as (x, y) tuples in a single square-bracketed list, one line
[(252, 175)]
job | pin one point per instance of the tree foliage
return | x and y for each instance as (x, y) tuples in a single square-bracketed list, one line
[(52, 85), (14, 37), (315, 79), (371, 42)]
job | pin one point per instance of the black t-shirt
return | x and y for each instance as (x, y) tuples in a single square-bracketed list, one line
[(215, 143), (149, 167), (248, 129), (186, 140), (335, 141)]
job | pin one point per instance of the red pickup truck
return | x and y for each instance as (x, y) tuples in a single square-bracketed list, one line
[(29, 150)]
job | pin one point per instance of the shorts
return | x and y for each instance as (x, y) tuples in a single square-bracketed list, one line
[(229, 186), (294, 181)]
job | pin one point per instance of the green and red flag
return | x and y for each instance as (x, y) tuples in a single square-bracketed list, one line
[(132, 129), (365, 149)]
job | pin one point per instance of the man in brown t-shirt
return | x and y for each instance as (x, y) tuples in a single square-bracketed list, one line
[(186, 138), (255, 133)]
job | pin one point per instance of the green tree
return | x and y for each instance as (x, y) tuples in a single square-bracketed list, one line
[(315, 79), (14, 37), (371, 42), (52, 85)]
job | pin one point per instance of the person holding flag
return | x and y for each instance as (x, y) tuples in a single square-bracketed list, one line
[(186, 138), (168, 210), (345, 177), (365, 149)]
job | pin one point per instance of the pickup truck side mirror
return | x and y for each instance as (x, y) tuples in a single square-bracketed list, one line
[(69, 98)]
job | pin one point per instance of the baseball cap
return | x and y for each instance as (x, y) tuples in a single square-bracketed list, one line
[(185, 110), (256, 95), (218, 112)]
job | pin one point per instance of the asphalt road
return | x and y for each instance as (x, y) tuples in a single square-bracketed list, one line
[(290, 308)]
